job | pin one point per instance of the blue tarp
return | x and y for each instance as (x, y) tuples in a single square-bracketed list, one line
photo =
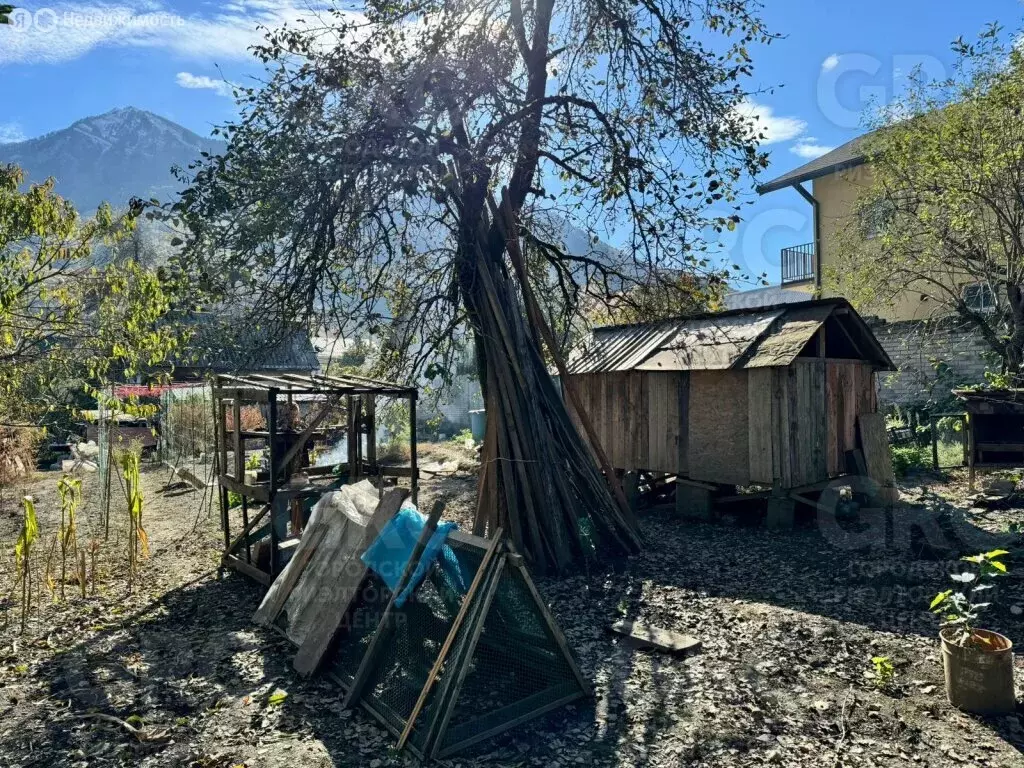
[(388, 555)]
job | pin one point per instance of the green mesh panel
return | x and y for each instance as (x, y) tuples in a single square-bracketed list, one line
[(517, 667)]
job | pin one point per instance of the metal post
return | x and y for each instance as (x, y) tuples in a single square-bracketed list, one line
[(414, 466), (272, 465)]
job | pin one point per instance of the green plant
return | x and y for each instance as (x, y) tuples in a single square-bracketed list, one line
[(462, 437), (138, 541), (960, 608), (254, 460), (885, 672), (22, 553), (910, 457), (70, 491)]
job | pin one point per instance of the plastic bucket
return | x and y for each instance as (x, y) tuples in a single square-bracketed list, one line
[(979, 676)]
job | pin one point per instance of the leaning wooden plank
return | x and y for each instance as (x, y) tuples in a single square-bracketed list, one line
[(341, 589), (875, 445), (281, 589), (648, 636), (249, 528), (369, 660)]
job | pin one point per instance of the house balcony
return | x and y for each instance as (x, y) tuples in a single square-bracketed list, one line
[(798, 263)]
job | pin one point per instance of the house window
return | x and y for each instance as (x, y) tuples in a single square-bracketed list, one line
[(875, 217), (979, 297)]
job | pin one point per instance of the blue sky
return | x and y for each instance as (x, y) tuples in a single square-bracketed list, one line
[(62, 61)]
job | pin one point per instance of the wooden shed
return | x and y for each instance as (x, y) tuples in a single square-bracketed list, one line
[(767, 396)]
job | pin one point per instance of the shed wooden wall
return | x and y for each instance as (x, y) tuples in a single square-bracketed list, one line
[(789, 425), (639, 417), (849, 391), (788, 429)]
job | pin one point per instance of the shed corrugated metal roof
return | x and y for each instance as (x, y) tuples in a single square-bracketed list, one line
[(751, 338), (710, 343), (621, 348)]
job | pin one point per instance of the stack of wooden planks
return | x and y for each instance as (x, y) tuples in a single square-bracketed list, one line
[(539, 480), (317, 585)]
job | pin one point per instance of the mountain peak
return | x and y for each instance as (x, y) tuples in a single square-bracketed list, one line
[(124, 153)]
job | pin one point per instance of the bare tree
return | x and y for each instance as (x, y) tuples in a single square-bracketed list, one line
[(360, 189)]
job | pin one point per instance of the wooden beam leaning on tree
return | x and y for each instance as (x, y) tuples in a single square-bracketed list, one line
[(506, 221)]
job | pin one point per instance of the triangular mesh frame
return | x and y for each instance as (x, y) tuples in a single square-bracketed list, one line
[(507, 663)]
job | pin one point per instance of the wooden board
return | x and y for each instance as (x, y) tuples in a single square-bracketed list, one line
[(273, 602), (877, 459), (850, 389), (782, 467), (667, 402), (759, 425), (334, 585), (636, 416), (642, 635), (808, 421), (718, 427)]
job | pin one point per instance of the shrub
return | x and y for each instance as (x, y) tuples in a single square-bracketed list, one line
[(908, 458)]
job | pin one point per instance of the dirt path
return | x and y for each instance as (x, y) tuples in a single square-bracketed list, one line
[(175, 673)]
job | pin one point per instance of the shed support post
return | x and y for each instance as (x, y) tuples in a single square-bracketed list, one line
[(781, 510), (971, 451), (693, 501), (273, 466), (413, 460)]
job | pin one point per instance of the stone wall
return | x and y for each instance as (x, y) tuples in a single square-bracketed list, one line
[(931, 357)]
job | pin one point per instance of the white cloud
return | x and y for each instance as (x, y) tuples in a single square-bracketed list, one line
[(808, 148), (830, 63), (774, 127), (10, 133), (64, 31), (188, 80)]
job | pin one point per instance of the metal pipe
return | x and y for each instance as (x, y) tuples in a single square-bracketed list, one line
[(816, 214)]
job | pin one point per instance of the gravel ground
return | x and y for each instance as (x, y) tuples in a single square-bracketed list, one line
[(174, 673)]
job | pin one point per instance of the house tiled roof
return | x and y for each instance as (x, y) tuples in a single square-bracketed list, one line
[(849, 155), (229, 344)]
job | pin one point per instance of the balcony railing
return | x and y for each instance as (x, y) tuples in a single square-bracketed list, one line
[(798, 263)]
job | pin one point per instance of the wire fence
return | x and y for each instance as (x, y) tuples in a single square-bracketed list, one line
[(185, 426)]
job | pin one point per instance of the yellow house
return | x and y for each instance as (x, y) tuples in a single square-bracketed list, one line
[(837, 179)]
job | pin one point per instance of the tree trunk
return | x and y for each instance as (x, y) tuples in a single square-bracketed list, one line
[(1015, 343)]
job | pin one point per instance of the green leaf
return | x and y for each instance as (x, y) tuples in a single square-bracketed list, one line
[(939, 599), (277, 697)]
